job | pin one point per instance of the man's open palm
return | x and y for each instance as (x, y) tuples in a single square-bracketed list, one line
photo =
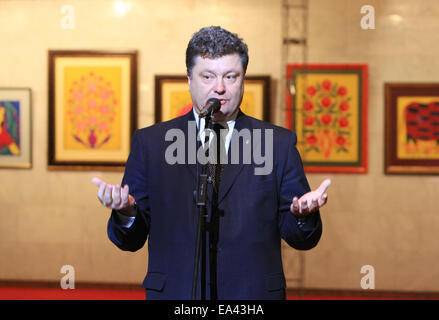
[(311, 201), (115, 197)]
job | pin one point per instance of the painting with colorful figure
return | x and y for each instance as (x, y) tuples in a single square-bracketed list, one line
[(9, 127), (15, 127)]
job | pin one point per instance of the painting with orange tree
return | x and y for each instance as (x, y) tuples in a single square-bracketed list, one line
[(92, 108), (92, 112)]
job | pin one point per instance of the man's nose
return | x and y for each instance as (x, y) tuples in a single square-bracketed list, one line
[(219, 86)]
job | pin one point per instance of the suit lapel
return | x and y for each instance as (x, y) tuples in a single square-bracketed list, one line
[(231, 171), (192, 166)]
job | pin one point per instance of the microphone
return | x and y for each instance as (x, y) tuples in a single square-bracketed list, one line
[(212, 105)]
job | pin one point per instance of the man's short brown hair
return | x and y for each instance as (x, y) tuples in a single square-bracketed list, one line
[(215, 42)]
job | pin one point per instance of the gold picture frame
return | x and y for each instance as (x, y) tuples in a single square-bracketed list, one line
[(172, 97)]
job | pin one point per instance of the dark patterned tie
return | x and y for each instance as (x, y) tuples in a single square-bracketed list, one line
[(216, 172), (216, 169)]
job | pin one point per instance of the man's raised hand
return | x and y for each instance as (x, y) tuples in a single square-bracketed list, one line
[(115, 197), (311, 201)]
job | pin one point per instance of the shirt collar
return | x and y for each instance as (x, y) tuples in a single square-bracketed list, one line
[(200, 122)]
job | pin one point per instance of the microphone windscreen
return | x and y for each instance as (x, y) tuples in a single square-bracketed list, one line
[(216, 104)]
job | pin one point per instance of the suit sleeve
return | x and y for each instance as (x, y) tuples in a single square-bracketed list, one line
[(301, 235), (134, 237)]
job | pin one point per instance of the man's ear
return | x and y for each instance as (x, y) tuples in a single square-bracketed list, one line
[(189, 79)]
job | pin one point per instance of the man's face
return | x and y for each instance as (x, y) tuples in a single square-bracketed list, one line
[(221, 78)]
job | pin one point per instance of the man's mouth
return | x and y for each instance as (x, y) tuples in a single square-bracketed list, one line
[(223, 101)]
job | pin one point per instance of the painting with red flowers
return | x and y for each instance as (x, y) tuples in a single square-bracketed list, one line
[(327, 108), (92, 105), (412, 128)]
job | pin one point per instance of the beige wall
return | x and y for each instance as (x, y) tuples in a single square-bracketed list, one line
[(389, 222), (50, 219)]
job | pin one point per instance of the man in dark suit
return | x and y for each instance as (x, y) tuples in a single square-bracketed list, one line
[(252, 205)]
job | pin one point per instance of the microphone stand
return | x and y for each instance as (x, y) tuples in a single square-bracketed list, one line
[(200, 247)]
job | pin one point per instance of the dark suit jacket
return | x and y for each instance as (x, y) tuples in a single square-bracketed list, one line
[(255, 215)]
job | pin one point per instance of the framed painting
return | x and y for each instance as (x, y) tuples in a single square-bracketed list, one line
[(92, 109), (15, 128), (172, 97), (412, 128), (327, 107)]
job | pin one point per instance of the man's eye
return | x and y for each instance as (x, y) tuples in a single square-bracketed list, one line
[(207, 77)]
